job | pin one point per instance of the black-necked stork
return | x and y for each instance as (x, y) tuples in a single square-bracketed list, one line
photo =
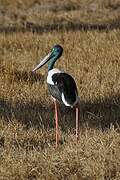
[(61, 86)]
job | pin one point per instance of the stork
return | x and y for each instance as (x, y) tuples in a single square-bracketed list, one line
[(61, 86)]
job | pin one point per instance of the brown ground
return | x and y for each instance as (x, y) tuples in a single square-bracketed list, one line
[(27, 128)]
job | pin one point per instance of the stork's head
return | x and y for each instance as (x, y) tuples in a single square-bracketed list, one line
[(52, 57)]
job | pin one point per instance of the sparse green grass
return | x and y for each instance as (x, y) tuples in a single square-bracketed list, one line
[(27, 127)]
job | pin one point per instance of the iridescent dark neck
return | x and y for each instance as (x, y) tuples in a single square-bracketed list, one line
[(56, 53), (51, 63)]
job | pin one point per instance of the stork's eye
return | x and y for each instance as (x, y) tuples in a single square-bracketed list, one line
[(53, 49)]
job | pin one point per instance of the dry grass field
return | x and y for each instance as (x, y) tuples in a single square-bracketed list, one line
[(27, 125)]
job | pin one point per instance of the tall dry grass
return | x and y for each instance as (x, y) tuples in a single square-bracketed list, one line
[(19, 13), (27, 127), (27, 133)]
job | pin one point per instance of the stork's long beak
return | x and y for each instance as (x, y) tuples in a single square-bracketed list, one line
[(44, 61)]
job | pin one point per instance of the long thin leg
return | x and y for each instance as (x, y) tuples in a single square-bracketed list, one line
[(77, 122), (51, 117), (56, 121)]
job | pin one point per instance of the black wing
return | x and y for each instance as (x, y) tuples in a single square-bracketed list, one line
[(63, 83)]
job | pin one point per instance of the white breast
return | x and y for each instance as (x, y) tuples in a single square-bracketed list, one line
[(50, 74)]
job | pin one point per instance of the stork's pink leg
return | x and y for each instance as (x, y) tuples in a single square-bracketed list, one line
[(77, 121), (56, 121)]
